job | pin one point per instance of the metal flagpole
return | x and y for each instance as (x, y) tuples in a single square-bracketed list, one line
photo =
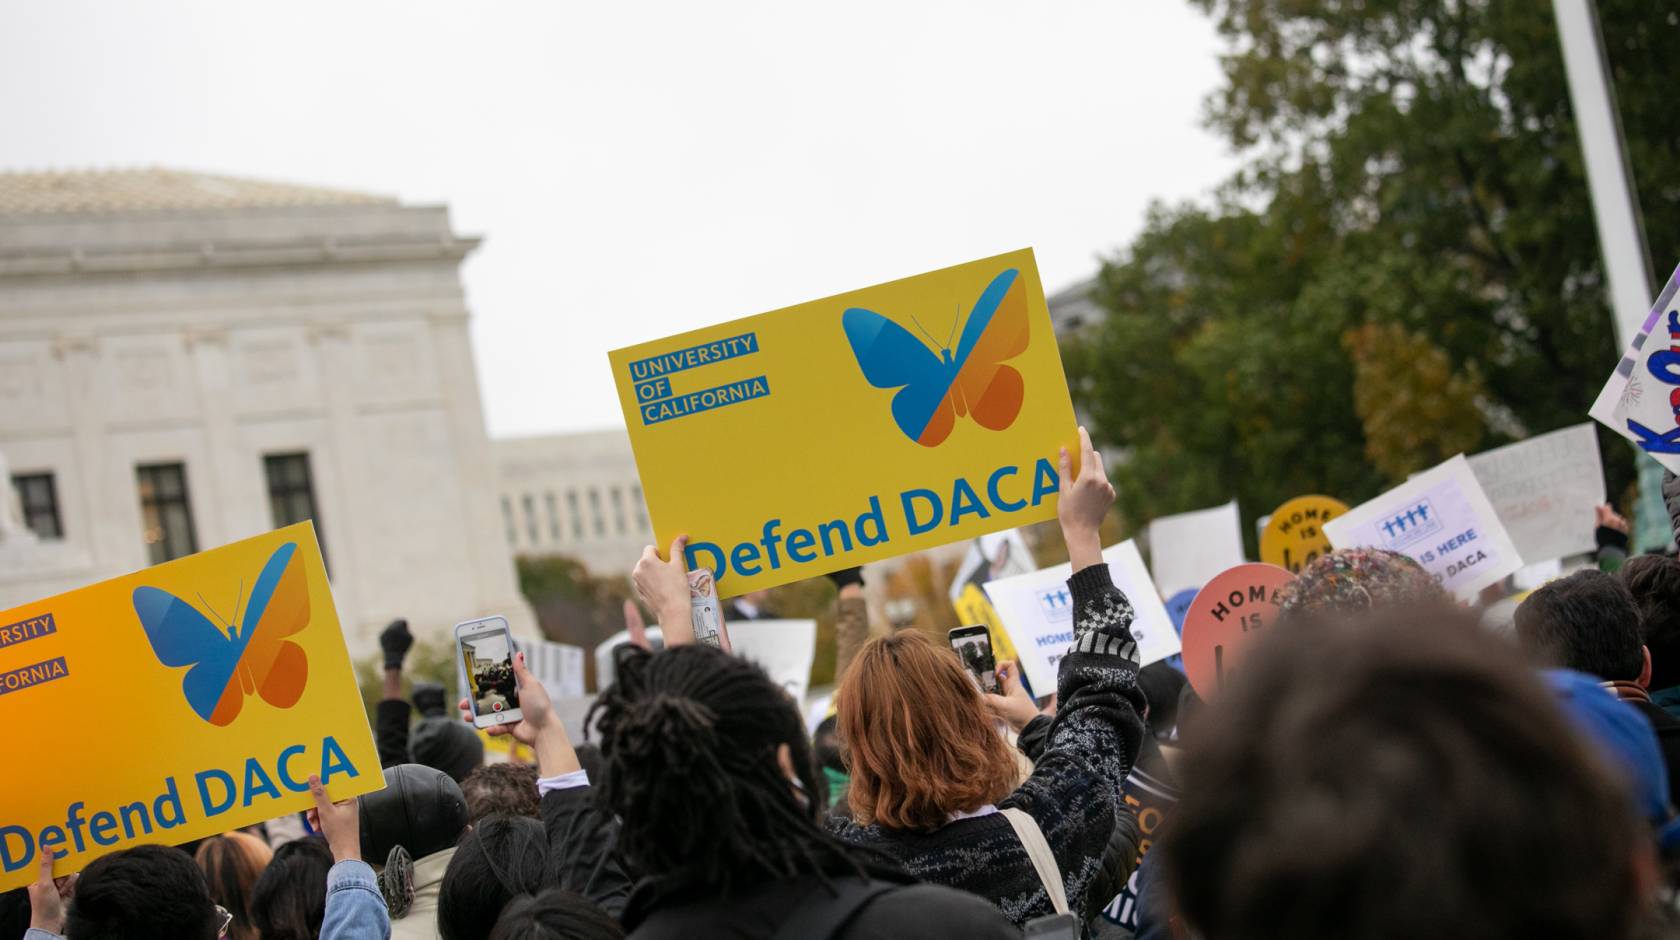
[(1621, 230)]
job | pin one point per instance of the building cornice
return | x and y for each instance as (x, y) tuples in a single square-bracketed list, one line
[(230, 254)]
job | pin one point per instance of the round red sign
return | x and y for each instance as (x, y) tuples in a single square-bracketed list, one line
[(1225, 620)]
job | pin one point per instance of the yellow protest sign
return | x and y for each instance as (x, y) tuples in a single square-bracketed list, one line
[(1294, 535), (859, 427), (175, 703), (973, 607)]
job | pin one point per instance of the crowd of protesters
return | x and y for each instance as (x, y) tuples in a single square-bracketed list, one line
[(1386, 764)]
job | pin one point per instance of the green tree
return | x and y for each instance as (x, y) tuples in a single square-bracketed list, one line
[(1412, 165)]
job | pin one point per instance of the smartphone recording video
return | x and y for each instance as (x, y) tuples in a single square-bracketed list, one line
[(486, 649), (973, 645)]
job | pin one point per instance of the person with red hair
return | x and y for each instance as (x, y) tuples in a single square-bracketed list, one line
[(933, 783)]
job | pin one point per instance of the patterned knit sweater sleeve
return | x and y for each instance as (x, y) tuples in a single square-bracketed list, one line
[(1074, 792)]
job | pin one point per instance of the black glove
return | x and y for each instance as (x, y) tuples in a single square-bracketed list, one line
[(846, 576), (395, 641), (1606, 537)]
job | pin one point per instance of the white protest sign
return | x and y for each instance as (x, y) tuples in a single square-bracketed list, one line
[(1037, 611), (1187, 550), (785, 648), (1443, 520), (1641, 402), (558, 666), (1544, 490)]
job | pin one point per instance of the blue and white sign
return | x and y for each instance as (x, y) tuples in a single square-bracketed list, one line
[(1641, 402), (1038, 612), (1442, 519)]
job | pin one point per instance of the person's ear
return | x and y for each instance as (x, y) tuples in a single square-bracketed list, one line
[(1644, 680), (784, 757)]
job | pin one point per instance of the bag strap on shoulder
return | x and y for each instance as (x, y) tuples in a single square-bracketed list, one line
[(1038, 851), (821, 915)]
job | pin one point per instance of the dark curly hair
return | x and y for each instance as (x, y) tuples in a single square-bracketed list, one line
[(508, 788), (1397, 773), (690, 737)]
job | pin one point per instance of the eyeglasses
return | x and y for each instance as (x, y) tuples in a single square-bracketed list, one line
[(224, 919)]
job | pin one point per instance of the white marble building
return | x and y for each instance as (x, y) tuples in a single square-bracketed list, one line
[(186, 360), (573, 494)]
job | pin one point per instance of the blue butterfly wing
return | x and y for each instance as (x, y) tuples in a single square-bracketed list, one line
[(888, 354), (984, 309), (268, 580), (181, 636), (890, 357)]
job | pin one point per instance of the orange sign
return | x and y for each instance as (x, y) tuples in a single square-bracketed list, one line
[(1225, 620)]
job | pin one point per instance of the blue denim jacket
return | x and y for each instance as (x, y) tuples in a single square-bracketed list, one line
[(355, 908)]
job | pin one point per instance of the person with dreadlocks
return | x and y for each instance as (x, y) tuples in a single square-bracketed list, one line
[(709, 769)]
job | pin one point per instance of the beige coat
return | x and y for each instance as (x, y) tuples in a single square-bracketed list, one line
[(420, 923)]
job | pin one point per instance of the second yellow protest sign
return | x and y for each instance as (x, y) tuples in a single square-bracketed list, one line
[(176, 703), (854, 428), (1294, 535)]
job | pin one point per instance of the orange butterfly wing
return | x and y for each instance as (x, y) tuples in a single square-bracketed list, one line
[(986, 388), (279, 668), (939, 425)]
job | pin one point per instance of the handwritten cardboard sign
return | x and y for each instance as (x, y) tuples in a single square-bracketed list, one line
[(1443, 520), (1544, 490), (892, 419), (206, 690)]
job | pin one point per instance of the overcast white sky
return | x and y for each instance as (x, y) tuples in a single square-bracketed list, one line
[(639, 169)]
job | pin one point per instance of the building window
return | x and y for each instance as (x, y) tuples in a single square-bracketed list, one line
[(575, 514), (507, 521), (618, 510), (291, 493), (640, 507), (553, 507), (529, 503), (165, 515), (598, 522), (39, 499)]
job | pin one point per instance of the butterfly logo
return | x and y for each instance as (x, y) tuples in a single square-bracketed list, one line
[(934, 390), (254, 657)]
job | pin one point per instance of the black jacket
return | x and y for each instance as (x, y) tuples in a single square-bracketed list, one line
[(667, 910), (390, 730), (1667, 728), (582, 845), (582, 848)]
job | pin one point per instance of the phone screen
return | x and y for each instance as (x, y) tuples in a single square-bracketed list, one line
[(973, 645), (487, 659)]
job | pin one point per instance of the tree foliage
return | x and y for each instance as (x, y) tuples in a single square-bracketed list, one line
[(1406, 264)]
